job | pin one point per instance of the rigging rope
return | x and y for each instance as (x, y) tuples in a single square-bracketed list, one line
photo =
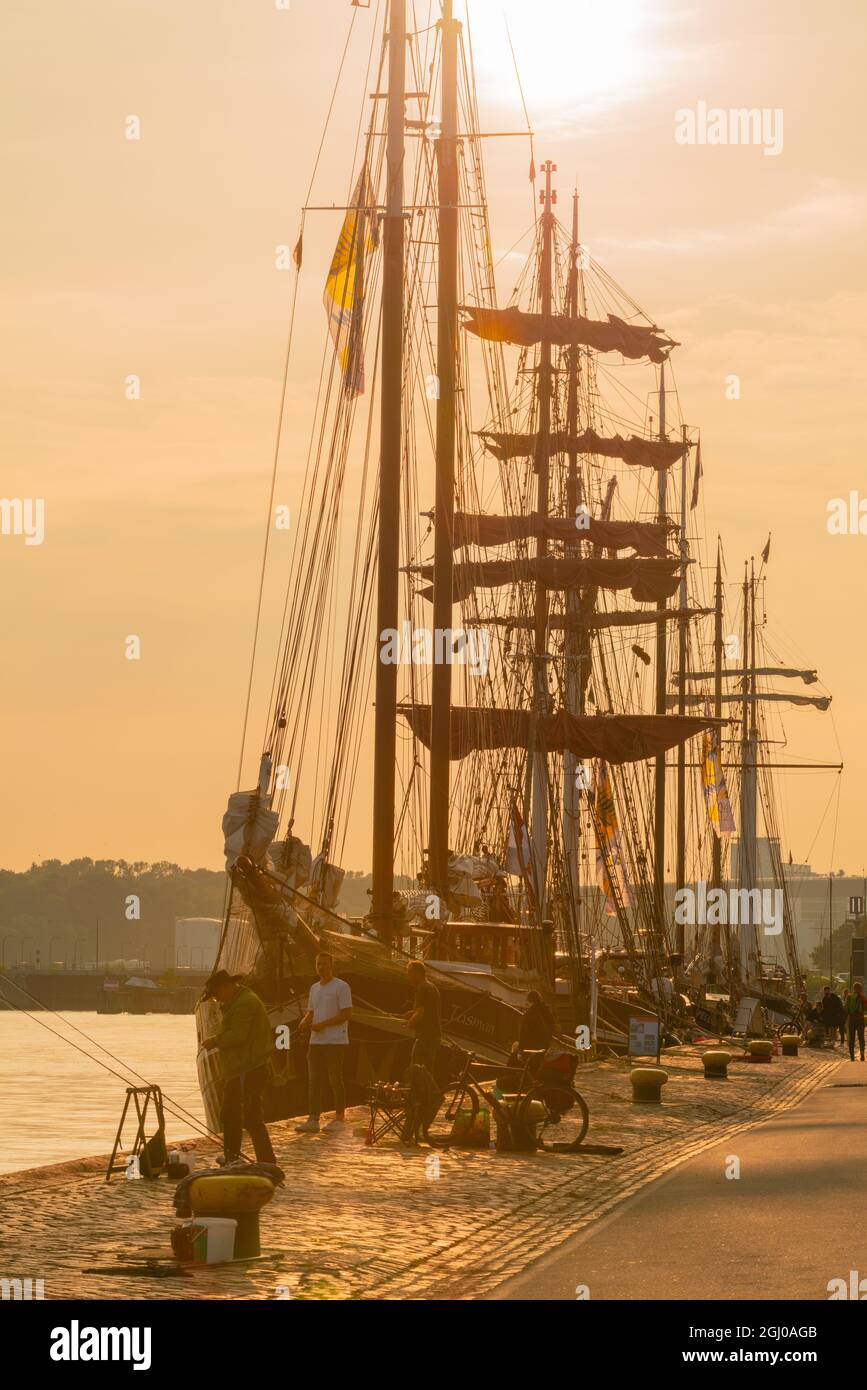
[(178, 1111)]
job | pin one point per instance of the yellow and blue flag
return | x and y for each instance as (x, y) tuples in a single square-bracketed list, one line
[(344, 287)]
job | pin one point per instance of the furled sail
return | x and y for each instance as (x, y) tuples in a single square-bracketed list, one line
[(249, 826), (808, 677), (781, 696), (651, 581), (642, 453), (618, 738), (292, 858), (576, 622), (613, 335), (648, 538)]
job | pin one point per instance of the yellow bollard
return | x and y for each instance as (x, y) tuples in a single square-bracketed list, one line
[(789, 1043), (761, 1050), (716, 1065), (647, 1084), (238, 1196)]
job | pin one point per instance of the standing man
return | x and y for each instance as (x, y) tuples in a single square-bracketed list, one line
[(845, 1009), (244, 1043), (424, 1017), (329, 1009), (855, 1005), (832, 1009)]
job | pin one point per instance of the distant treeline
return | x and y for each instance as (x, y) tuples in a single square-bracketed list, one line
[(57, 909)]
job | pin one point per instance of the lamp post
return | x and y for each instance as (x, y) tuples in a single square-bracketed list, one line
[(24, 939), (51, 941)]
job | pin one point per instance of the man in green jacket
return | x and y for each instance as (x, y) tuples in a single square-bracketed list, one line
[(244, 1043)]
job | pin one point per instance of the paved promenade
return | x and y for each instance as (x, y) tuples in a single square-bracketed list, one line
[(392, 1222), (784, 1224)]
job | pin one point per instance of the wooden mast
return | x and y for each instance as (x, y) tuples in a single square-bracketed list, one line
[(680, 872), (716, 868), (574, 644), (391, 445), (747, 844), (659, 767), (447, 350), (539, 834)]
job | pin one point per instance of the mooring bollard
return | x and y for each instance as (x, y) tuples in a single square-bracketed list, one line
[(647, 1084), (790, 1044), (716, 1065), (233, 1196), (761, 1050)]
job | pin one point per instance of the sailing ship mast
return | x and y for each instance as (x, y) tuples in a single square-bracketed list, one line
[(680, 857), (573, 646), (544, 379), (716, 865), (749, 751), (391, 451), (447, 357), (660, 706)]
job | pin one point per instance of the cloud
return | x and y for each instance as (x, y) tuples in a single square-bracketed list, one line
[(831, 210)]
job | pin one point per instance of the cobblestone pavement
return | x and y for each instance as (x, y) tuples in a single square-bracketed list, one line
[(391, 1222)]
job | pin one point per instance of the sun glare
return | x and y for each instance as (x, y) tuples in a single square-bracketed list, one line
[(570, 53)]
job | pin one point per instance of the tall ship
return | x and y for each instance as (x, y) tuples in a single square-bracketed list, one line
[(501, 646)]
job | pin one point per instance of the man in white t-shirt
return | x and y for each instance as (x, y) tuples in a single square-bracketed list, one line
[(329, 1009)]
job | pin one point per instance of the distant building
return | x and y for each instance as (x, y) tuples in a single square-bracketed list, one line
[(196, 942), (815, 898)]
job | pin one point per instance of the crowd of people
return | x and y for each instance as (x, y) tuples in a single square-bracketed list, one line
[(831, 1017)]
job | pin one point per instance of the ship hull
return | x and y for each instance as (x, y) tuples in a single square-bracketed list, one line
[(473, 1021)]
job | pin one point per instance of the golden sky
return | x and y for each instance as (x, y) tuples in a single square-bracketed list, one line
[(155, 257)]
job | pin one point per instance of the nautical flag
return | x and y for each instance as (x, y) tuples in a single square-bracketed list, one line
[(696, 477), (344, 288), (610, 868), (716, 795), (518, 853), (767, 551)]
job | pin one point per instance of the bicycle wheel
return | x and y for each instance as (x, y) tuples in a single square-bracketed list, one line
[(454, 1118), (564, 1117)]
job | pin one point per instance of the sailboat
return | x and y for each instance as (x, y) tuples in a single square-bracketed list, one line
[(755, 960), (517, 464)]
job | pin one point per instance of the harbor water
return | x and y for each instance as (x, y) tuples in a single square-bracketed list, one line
[(57, 1105)]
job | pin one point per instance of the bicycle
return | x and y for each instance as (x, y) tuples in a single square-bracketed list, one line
[(545, 1109)]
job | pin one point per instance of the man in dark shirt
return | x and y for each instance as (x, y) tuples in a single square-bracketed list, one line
[(855, 1010), (538, 1025), (833, 1015), (424, 1017)]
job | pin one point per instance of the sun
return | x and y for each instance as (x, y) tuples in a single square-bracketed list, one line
[(571, 54)]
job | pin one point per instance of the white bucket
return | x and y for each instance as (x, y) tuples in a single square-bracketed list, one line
[(221, 1237)]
